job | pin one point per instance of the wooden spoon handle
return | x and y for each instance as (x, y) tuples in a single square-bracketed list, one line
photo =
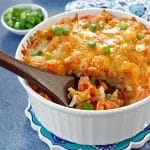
[(53, 84), (15, 66)]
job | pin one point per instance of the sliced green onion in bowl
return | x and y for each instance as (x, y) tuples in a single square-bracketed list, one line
[(17, 25), (17, 19), (23, 14)]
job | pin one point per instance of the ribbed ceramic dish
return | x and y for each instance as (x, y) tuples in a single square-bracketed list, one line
[(85, 126), (56, 143)]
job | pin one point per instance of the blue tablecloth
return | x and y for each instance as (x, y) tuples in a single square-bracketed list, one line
[(15, 130)]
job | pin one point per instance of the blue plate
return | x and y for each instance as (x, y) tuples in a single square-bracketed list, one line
[(56, 143), (136, 7)]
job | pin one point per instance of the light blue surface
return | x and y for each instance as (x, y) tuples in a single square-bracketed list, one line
[(15, 130)]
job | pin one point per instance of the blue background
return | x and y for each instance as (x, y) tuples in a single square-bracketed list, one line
[(15, 130)]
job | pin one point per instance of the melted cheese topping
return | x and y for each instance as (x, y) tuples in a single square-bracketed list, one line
[(124, 65)]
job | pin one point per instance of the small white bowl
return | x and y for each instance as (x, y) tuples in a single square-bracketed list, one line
[(87, 126), (23, 31)]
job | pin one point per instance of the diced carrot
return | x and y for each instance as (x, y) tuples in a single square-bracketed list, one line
[(87, 17), (93, 91), (83, 83), (144, 93), (25, 52), (100, 105), (91, 71)]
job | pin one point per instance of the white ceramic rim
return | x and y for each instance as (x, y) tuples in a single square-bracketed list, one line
[(72, 110), (45, 13)]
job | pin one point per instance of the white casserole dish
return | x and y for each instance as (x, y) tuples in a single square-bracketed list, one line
[(86, 126)]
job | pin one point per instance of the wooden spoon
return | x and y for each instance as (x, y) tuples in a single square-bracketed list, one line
[(55, 85)]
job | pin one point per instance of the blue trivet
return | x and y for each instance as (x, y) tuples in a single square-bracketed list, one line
[(56, 143)]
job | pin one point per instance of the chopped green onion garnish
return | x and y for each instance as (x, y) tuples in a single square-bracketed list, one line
[(22, 24), (85, 24), (23, 17), (107, 96), (17, 25), (31, 19), (92, 43), (48, 56), (92, 81), (123, 26), (10, 23), (65, 31), (16, 11), (93, 27), (58, 30), (101, 24), (29, 26), (39, 13), (8, 16), (88, 106), (141, 36), (38, 20), (106, 50), (140, 47), (36, 53)]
